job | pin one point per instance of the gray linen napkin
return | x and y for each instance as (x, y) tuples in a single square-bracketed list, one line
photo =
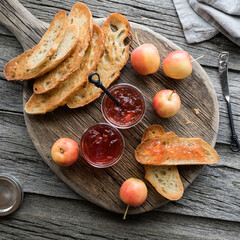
[(202, 19)]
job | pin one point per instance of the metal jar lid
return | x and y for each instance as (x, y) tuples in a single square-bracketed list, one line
[(11, 194)]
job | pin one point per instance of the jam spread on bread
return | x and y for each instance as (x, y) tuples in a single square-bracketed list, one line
[(160, 151)]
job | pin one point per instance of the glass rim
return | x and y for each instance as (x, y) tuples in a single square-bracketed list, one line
[(19, 193), (122, 126), (96, 164)]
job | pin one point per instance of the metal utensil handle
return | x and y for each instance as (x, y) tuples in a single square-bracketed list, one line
[(234, 145), (99, 84)]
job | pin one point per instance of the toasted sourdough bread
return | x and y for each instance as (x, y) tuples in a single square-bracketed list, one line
[(14, 69), (175, 151), (46, 102), (165, 179), (49, 42), (116, 29), (80, 15), (152, 131)]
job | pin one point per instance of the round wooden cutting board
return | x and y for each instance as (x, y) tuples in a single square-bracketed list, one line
[(101, 186)]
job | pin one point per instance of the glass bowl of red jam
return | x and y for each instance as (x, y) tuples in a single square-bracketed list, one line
[(131, 109), (102, 145)]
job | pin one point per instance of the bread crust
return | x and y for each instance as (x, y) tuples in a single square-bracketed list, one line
[(115, 57), (152, 131), (169, 187), (175, 151), (47, 102), (50, 43), (80, 15), (168, 184), (14, 71)]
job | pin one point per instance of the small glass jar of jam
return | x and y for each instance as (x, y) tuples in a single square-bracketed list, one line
[(131, 109), (102, 145)]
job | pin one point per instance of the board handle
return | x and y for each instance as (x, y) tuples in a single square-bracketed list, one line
[(25, 27)]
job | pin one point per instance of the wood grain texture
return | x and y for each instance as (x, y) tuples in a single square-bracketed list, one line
[(205, 128), (25, 27), (12, 93), (68, 219), (159, 16), (214, 194), (101, 186)]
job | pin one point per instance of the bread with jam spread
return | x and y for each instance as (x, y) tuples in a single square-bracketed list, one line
[(165, 179), (152, 131), (175, 151)]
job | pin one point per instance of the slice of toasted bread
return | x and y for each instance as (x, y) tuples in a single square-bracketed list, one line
[(116, 29), (166, 180), (49, 42), (152, 131), (80, 15), (175, 151), (46, 102), (14, 69)]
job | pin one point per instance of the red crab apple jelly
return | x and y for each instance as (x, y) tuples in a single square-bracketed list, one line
[(102, 145), (131, 109)]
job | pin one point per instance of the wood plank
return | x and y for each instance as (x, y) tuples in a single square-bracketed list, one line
[(159, 15), (220, 181), (11, 93), (102, 185), (43, 217)]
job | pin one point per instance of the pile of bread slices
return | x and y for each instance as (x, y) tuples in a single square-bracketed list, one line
[(69, 51)]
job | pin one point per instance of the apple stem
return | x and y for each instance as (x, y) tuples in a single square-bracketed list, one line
[(194, 60), (125, 214), (137, 38), (61, 150), (169, 98)]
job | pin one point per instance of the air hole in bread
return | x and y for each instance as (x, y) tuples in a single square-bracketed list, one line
[(47, 83), (112, 75), (106, 51), (12, 75), (113, 27), (127, 40), (106, 58), (163, 173), (72, 21), (120, 35)]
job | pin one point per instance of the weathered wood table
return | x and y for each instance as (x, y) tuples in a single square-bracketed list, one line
[(210, 207)]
